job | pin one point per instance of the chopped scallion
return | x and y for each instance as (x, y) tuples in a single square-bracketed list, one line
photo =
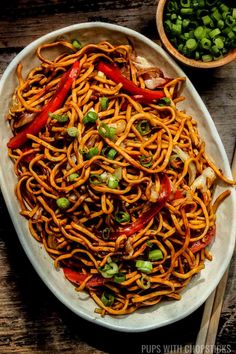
[(112, 182), (146, 161), (145, 282), (119, 277), (76, 44), (122, 216), (73, 132), (61, 118), (111, 154), (95, 179), (63, 203), (107, 132), (207, 58), (91, 153), (191, 44), (193, 25), (90, 117), (143, 127), (73, 176), (107, 299), (144, 266), (104, 102), (155, 255), (165, 101), (109, 270)]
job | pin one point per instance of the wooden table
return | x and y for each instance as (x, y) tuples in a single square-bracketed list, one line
[(32, 320)]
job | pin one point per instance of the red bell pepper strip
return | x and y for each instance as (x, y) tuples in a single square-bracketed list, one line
[(147, 216), (178, 195), (78, 278), (198, 245), (55, 102), (113, 73)]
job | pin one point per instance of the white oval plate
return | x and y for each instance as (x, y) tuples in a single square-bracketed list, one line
[(204, 283)]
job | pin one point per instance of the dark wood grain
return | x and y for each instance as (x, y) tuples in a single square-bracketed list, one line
[(32, 320)]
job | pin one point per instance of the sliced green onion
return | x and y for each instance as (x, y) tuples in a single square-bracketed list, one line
[(119, 277), (155, 255), (179, 21), (73, 176), (149, 244), (145, 282), (225, 15), (63, 203), (168, 25), (146, 161), (231, 35), (215, 32), (224, 7), (216, 15), (172, 6), (180, 49), (191, 44), (186, 11), (92, 152), (220, 24), (107, 299), (118, 173), (185, 3), (73, 132), (215, 50), (111, 154), (143, 127), (197, 55), (95, 179), (144, 266), (195, 3), (205, 43), (206, 20), (112, 182), (173, 17), (61, 118), (90, 117), (185, 22), (164, 101), (107, 132), (122, 216), (234, 13), (104, 102), (230, 21), (219, 43), (76, 44), (176, 29), (199, 32), (109, 270), (207, 58)]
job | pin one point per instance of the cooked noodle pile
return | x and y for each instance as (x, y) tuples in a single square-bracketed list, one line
[(117, 188)]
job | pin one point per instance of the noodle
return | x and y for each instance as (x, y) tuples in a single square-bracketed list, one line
[(122, 202)]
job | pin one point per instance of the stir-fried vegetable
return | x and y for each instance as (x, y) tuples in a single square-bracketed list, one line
[(141, 221), (55, 103), (115, 74)]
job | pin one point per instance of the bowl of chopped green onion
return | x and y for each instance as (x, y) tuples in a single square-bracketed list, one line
[(198, 33)]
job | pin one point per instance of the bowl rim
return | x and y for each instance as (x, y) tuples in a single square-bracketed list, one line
[(229, 57), (27, 248)]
